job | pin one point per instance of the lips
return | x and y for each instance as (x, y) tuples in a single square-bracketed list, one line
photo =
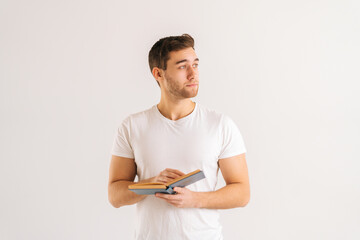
[(192, 85)]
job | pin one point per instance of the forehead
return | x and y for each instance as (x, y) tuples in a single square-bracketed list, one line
[(187, 53)]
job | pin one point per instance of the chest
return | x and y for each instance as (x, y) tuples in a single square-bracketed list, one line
[(186, 148)]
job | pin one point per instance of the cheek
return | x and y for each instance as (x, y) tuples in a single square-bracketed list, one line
[(180, 75)]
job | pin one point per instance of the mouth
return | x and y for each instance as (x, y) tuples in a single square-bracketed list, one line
[(192, 85)]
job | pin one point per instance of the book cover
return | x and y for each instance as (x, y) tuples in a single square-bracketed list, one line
[(152, 188)]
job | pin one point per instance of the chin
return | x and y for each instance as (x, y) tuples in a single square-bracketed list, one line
[(191, 95)]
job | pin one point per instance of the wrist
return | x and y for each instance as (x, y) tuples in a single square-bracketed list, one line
[(199, 200)]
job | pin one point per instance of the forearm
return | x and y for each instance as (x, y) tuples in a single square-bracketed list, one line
[(231, 196), (120, 195)]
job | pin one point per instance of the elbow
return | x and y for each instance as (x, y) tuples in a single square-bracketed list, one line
[(114, 197), (113, 202), (244, 202), (247, 200), (244, 199)]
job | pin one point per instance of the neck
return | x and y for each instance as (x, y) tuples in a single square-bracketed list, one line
[(176, 109)]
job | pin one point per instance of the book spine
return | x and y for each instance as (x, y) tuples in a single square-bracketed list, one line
[(170, 190)]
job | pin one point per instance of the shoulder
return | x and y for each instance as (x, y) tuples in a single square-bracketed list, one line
[(209, 112), (214, 118), (213, 114), (138, 117)]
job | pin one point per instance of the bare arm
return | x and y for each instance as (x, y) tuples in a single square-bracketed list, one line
[(236, 193), (122, 174)]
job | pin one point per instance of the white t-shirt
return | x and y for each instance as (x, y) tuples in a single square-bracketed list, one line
[(196, 141)]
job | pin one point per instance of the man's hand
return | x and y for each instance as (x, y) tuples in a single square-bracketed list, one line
[(168, 175), (184, 198)]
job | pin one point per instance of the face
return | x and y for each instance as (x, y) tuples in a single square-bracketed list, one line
[(181, 77)]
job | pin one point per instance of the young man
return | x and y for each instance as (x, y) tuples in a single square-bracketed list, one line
[(175, 137)]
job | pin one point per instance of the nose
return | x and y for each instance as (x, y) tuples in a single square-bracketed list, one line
[(192, 72)]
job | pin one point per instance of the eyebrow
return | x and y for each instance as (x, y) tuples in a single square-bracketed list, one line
[(185, 60)]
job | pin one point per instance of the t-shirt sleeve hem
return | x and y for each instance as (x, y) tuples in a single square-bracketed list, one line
[(122, 155), (232, 154)]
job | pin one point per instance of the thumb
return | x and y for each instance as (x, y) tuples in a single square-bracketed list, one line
[(179, 189)]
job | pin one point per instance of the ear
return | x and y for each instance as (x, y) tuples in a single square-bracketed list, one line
[(157, 73)]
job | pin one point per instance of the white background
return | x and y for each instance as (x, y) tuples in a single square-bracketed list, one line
[(287, 72)]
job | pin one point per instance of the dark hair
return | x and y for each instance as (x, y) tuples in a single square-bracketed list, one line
[(159, 53)]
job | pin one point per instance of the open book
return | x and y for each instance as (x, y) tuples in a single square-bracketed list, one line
[(152, 188)]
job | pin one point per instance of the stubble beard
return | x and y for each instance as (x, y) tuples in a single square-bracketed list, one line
[(179, 91)]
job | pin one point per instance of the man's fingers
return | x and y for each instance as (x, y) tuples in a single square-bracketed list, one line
[(171, 175), (165, 179), (171, 197), (168, 175), (175, 171), (179, 189)]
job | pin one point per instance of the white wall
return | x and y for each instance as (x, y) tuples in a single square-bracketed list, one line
[(287, 72)]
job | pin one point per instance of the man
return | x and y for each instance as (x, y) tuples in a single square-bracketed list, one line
[(172, 138)]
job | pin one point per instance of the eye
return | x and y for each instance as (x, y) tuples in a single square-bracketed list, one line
[(196, 65), (182, 67)]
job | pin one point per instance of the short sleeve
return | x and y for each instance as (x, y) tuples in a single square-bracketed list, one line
[(122, 144), (231, 139)]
